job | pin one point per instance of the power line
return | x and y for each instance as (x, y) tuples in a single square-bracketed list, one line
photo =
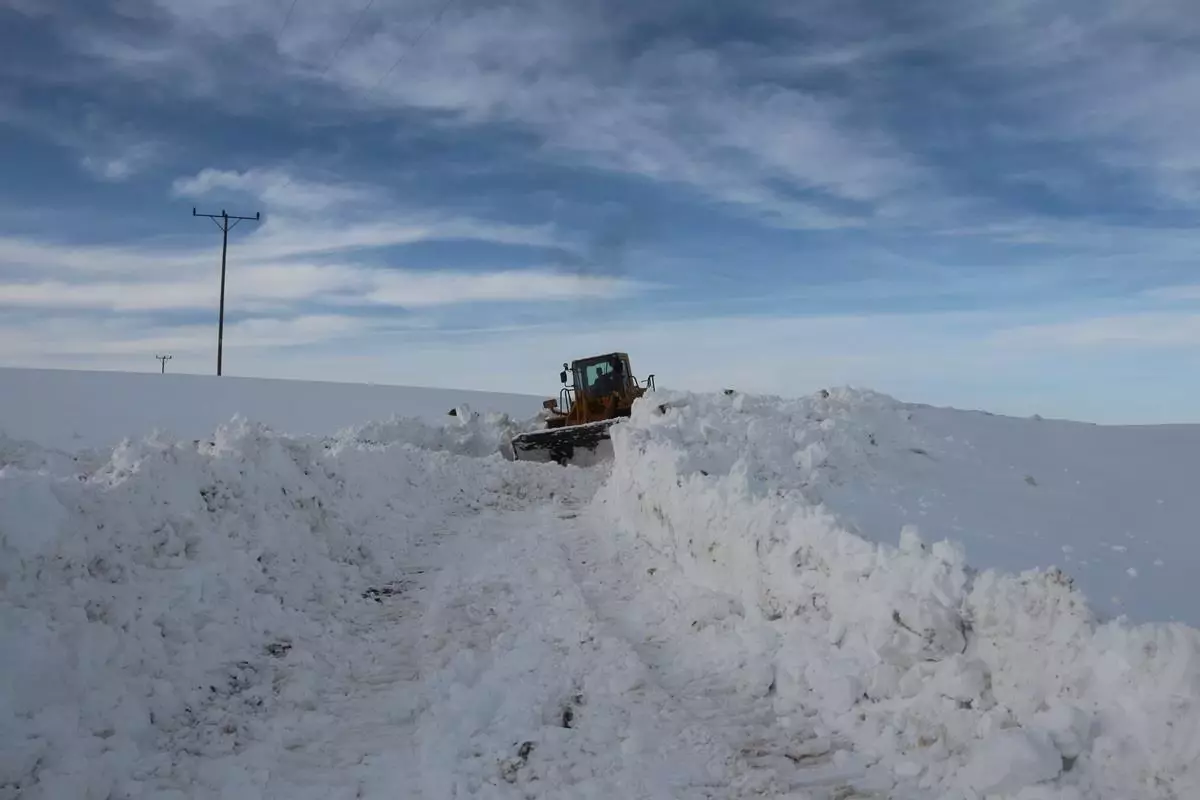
[(164, 360), (399, 60), (222, 221), (412, 45), (286, 19), (349, 33), (403, 54)]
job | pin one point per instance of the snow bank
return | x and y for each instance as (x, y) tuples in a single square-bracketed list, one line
[(185, 601), (972, 683), (190, 618), (1115, 507), (73, 409)]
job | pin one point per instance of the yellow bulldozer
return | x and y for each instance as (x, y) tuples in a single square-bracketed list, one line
[(597, 393)]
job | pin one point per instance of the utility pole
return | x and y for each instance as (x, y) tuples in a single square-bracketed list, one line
[(223, 221), (164, 360)]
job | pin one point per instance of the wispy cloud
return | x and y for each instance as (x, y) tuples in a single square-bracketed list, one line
[(279, 189), (365, 216), (121, 161), (107, 296), (289, 234), (705, 117), (276, 287), (30, 8), (106, 148), (1116, 80), (111, 341), (416, 290), (676, 112), (804, 127), (1147, 330), (292, 259)]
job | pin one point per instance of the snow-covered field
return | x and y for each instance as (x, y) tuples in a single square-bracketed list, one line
[(732, 608), (72, 409)]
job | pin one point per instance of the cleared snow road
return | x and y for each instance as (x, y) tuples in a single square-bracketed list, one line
[(514, 661)]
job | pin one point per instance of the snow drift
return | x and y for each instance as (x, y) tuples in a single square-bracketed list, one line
[(984, 682)]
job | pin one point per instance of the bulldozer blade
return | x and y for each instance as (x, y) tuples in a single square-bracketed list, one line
[(580, 445)]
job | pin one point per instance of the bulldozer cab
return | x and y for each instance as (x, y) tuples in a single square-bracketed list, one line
[(601, 376), (597, 392), (597, 388)]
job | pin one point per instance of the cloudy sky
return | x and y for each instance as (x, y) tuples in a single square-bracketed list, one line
[(990, 205)]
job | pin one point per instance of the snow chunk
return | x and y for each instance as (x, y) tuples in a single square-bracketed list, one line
[(30, 514), (1012, 759), (962, 679), (1068, 726)]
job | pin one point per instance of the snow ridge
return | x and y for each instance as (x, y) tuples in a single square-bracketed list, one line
[(966, 682)]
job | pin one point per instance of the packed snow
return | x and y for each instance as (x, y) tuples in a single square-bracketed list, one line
[(756, 597)]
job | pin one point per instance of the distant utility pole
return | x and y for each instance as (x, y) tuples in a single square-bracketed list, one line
[(164, 360), (222, 221)]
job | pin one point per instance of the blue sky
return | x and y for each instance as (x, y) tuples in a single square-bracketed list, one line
[(982, 205)]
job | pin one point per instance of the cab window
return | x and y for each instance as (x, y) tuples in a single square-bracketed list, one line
[(593, 372)]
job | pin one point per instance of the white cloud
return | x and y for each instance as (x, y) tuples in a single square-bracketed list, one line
[(415, 290), (34, 259), (282, 237), (109, 169), (354, 216), (280, 286), (108, 296), (277, 188), (1147, 330), (121, 161)]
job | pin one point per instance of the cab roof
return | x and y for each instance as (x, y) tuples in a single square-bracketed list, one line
[(604, 357)]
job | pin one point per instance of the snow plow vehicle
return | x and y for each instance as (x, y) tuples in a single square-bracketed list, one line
[(597, 393)]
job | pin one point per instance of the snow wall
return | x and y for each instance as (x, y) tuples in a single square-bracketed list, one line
[(984, 682)]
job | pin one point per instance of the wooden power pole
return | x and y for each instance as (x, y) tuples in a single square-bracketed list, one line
[(225, 222)]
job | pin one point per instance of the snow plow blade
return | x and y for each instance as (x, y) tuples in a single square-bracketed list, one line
[(579, 445)]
